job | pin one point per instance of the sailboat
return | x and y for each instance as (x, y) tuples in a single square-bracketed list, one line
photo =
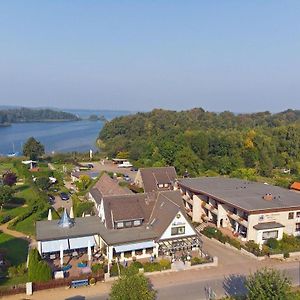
[(14, 153)]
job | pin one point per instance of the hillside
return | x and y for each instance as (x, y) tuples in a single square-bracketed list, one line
[(19, 115), (202, 141)]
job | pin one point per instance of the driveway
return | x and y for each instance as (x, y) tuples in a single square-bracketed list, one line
[(60, 203), (111, 167)]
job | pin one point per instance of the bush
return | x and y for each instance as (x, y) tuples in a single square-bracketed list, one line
[(17, 270), (152, 267), (165, 264), (136, 264), (272, 243), (114, 270), (252, 247), (197, 261), (97, 268), (235, 243)]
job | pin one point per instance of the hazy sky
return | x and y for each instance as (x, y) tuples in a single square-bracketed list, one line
[(137, 55)]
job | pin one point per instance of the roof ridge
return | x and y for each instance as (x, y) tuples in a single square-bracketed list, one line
[(169, 199)]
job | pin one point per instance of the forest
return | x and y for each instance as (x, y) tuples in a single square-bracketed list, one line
[(18, 115), (207, 143)]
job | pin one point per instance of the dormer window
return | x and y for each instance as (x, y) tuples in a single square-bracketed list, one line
[(166, 185), (120, 225), (160, 185), (137, 223)]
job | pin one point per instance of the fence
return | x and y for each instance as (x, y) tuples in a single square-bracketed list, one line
[(56, 283)]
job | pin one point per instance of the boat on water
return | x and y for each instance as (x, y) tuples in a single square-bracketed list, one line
[(13, 153)]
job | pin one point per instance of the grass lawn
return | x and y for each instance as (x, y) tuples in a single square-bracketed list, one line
[(27, 226), (4, 166), (14, 249)]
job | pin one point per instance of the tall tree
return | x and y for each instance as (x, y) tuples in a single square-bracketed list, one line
[(132, 287), (268, 284), (33, 149), (6, 194)]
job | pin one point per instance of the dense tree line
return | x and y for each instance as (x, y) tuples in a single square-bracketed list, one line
[(198, 141), (33, 115)]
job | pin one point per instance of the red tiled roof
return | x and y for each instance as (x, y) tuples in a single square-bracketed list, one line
[(295, 186)]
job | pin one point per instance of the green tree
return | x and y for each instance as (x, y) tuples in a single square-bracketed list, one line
[(132, 286), (9, 178), (38, 270), (83, 183), (42, 183), (33, 149), (6, 194), (268, 284)]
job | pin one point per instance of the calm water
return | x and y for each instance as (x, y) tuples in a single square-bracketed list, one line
[(55, 136)]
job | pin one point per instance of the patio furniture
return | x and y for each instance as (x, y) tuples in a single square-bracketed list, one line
[(81, 265), (66, 268), (77, 283), (86, 270)]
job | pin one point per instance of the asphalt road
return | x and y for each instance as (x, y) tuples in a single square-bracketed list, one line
[(198, 290)]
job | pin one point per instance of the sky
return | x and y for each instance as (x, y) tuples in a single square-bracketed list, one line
[(242, 56)]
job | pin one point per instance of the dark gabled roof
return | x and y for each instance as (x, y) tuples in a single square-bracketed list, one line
[(167, 205), (243, 194), (106, 186), (127, 207), (50, 230), (152, 177), (267, 225), (96, 195)]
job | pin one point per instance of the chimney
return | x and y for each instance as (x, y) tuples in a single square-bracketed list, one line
[(268, 197)]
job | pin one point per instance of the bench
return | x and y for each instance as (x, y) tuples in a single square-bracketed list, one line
[(77, 283)]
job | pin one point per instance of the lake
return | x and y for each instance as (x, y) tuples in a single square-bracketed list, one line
[(77, 136)]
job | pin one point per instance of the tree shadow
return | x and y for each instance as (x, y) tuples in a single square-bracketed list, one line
[(76, 298), (234, 285)]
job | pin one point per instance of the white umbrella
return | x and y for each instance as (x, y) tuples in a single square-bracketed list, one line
[(61, 255), (71, 213), (49, 215), (89, 251)]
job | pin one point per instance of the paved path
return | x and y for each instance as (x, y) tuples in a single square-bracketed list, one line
[(14, 233)]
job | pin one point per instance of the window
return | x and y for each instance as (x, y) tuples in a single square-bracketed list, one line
[(120, 225), (128, 224), (298, 214), (291, 215), (137, 223), (166, 185), (177, 230), (297, 227), (270, 234)]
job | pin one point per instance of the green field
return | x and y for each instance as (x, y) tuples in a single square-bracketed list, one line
[(15, 250)]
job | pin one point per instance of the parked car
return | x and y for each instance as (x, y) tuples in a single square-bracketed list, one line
[(134, 169), (64, 196), (127, 178), (125, 164), (51, 198), (91, 166)]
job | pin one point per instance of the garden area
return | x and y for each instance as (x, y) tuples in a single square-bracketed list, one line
[(14, 255), (284, 246)]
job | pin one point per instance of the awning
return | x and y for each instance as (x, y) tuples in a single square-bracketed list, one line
[(135, 246), (267, 225), (54, 246), (82, 242)]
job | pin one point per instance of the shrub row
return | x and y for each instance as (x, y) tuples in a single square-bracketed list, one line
[(163, 264)]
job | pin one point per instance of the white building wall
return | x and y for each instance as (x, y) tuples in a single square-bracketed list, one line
[(178, 222), (197, 209), (279, 217)]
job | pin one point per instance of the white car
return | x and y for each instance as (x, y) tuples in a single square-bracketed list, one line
[(125, 164)]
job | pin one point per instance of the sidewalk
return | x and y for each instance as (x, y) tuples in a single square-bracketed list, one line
[(100, 289)]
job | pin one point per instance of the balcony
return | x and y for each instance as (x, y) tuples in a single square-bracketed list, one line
[(210, 207), (187, 199), (238, 219)]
